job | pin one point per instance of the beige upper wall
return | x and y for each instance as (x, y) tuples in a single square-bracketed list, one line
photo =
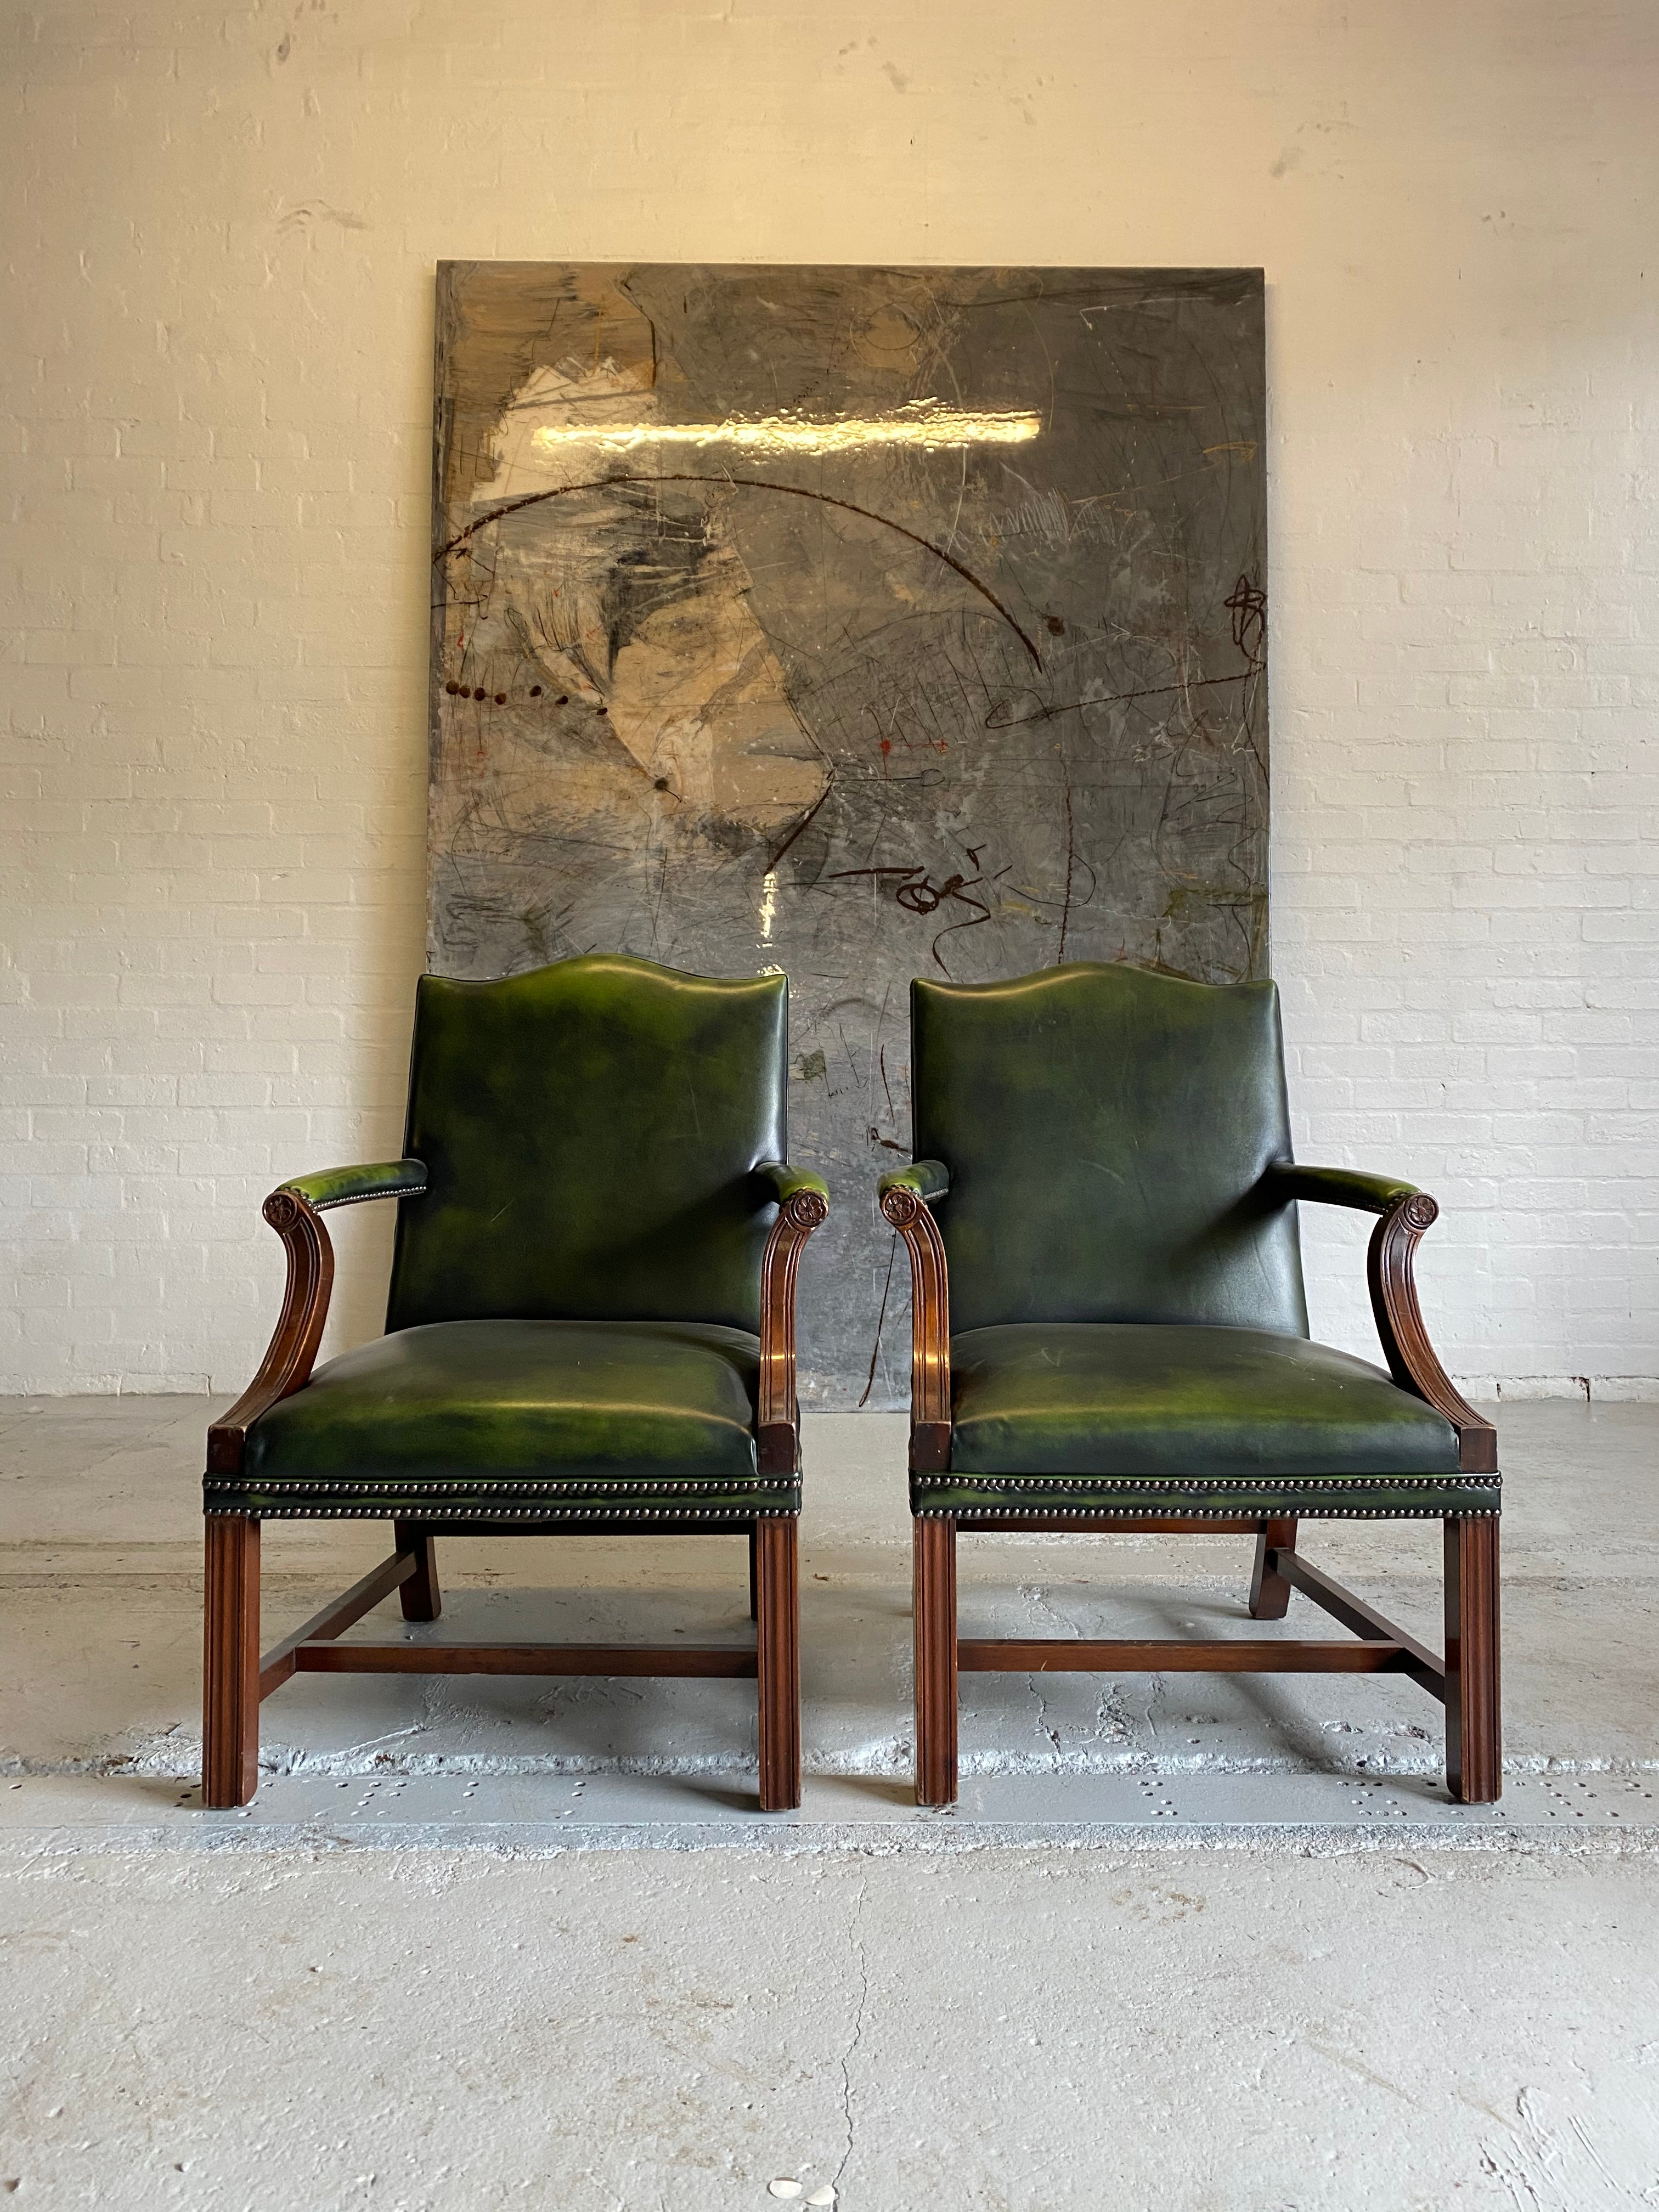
[(221, 228)]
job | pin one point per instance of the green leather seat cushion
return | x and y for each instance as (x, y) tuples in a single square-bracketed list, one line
[(519, 1418), (1135, 1416)]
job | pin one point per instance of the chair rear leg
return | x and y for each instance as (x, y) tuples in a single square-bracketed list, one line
[(935, 1607), (422, 1599), (1270, 1593), (778, 1613), (1474, 1770), (230, 1686)]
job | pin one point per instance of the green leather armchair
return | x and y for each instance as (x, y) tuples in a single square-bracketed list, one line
[(1110, 1333), (590, 1330)]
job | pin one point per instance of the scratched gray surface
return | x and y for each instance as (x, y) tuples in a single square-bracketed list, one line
[(777, 690)]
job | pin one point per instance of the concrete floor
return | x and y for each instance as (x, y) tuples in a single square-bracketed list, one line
[(1193, 1942)]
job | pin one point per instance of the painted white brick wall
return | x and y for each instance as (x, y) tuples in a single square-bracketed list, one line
[(219, 232)]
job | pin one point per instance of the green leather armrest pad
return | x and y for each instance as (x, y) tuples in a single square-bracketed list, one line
[(787, 1182), (351, 1186), (929, 1179), (1369, 1194)]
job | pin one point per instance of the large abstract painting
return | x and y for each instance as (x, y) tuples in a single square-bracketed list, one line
[(860, 623)]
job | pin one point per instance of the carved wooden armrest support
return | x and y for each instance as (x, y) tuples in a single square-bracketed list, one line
[(294, 1209), (908, 1196), (1404, 1212), (803, 1206)]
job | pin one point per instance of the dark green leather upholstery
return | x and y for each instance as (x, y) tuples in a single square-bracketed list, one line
[(515, 1420), (591, 1133), (1126, 1418), (1105, 1132)]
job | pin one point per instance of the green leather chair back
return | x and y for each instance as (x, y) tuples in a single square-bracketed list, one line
[(590, 1131), (1106, 1130)]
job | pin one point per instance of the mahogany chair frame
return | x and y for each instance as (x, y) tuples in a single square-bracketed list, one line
[(1465, 1678), (237, 1678)]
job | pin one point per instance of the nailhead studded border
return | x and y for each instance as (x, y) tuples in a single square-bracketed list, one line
[(538, 1487), (358, 1197), (441, 1509), (1291, 1497)]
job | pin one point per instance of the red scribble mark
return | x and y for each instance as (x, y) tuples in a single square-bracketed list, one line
[(887, 745)]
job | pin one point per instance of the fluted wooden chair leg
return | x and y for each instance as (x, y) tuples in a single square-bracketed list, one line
[(422, 1599), (754, 1573), (230, 1684), (935, 1605), (778, 1640), (1270, 1592), (1475, 1766)]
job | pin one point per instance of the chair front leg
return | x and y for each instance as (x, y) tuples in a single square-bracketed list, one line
[(935, 1607), (1270, 1593), (1474, 1770), (754, 1574), (230, 1688), (422, 1599), (778, 1662)]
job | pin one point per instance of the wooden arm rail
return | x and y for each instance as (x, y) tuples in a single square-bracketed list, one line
[(1403, 1215), (777, 1441), (292, 1351)]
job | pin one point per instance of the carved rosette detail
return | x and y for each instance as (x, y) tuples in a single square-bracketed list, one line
[(1419, 1212), (805, 1210), (900, 1207), (282, 1211)]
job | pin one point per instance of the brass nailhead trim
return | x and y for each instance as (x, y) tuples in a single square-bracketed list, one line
[(1013, 1483), (1312, 1510), (367, 1197), (1312, 1498), (428, 1509), (1312, 1513), (281, 1484)]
